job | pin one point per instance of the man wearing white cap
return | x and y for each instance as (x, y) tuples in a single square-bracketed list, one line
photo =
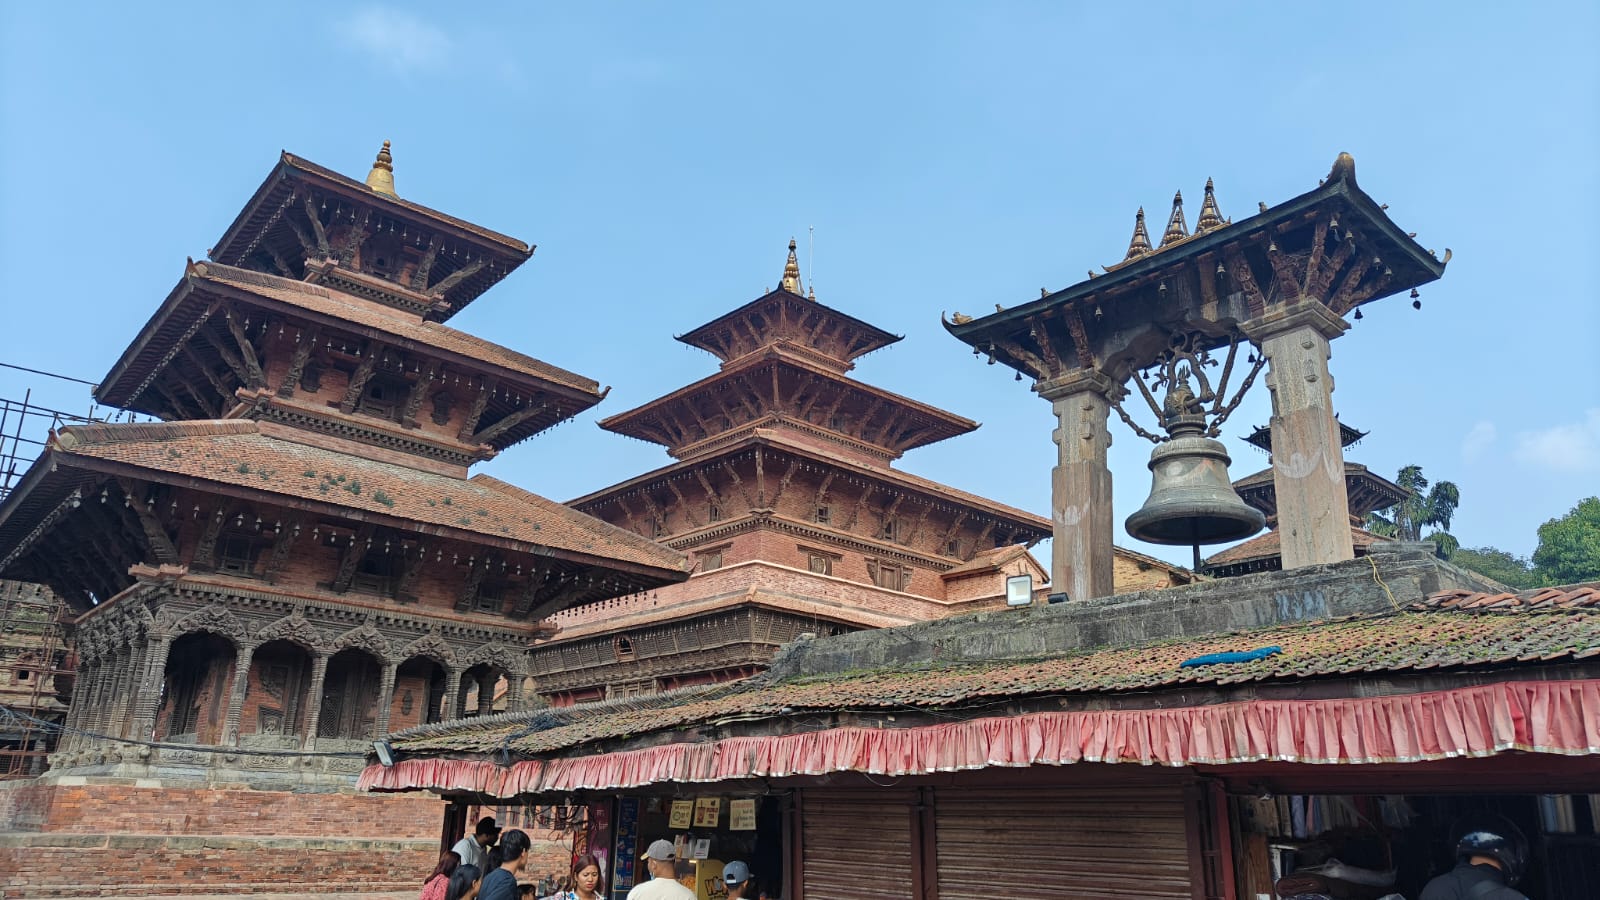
[(662, 862)]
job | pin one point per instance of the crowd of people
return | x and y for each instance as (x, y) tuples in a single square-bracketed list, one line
[(486, 866)]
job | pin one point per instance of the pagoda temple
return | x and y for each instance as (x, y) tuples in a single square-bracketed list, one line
[(784, 493), (1365, 491), (295, 561)]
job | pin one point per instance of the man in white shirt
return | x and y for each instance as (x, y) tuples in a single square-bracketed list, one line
[(474, 848), (662, 862)]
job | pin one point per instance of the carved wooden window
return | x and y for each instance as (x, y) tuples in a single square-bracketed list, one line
[(236, 554), (824, 515), (491, 598), (889, 575), (378, 573), (714, 513), (891, 529), (623, 647), (822, 565), (711, 560), (385, 398), (836, 423), (953, 548)]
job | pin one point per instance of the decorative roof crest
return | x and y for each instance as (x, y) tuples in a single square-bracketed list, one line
[(381, 178), (1177, 228)]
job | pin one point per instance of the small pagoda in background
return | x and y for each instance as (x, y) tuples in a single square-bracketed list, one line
[(1365, 491), (785, 494)]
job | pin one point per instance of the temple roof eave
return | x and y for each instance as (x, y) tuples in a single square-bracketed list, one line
[(69, 462), (290, 169), (1414, 264), (768, 439), (619, 423), (877, 338), (186, 303)]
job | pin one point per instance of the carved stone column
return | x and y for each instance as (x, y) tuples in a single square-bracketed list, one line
[(486, 683), (1080, 484), (78, 710), (319, 673), (1307, 456), (117, 686), (122, 710), (241, 683), (99, 693), (451, 705), (149, 695), (385, 699)]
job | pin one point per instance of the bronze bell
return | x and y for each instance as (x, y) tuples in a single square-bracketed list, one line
[(1191, 500)]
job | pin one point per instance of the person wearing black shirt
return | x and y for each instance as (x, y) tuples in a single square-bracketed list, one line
[(501, 884), (1490, 858)]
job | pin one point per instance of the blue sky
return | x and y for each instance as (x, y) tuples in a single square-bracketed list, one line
[(949, 157)]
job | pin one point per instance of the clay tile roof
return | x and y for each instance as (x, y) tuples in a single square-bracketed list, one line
[(1570, 597), (236, 453), (987, 560), (1398, 642), (1268, 546), (403, 326)]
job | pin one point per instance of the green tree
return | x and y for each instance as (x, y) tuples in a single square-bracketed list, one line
[(1423, 506), (1508, 569), (1569, 547)]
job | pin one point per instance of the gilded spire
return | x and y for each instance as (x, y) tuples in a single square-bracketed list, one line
[(1210, 216), (1177, 228), (381, 178), (1140, 245), (791, 273)]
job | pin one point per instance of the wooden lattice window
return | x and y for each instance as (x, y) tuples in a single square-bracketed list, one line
[(378, 573), (824, 515), (622, 647), (491, 598), (385, 397), (236, 554), (891, 529)]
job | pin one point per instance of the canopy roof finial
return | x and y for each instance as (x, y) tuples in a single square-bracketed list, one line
[(1177, 228), (1140, 245), (1210, 215)]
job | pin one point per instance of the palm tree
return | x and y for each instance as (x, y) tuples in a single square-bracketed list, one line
[(1422, 506)]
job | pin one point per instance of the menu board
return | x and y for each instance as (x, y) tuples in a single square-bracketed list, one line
[(682, 813), (707, 812), (742, 815), (627, 843)]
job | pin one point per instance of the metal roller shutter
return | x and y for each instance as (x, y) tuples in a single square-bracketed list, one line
[(1055, 843), (857, 845)]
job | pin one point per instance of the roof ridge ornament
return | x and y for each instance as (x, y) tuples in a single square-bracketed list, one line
[(1140, 245), (791, 273), (1210, 215), (1177, 228), (381, 178)]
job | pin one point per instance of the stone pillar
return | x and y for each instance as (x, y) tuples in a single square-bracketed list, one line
[(1307, 456), (116, 685), (319, 673), (241, 684), (513, 692), (385, 699), (77, 710), (486, 683), (450, 707), (130, 688), (1080, 484), (99, 692), (149, 695)]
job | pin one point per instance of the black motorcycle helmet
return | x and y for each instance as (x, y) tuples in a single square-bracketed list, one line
[(1497, 838)]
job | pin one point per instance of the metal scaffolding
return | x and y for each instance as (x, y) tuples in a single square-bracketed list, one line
[(35, 675)]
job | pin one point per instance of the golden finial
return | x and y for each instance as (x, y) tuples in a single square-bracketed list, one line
[(1177, 228), (1140, 245), (381, 178), (1210, 216), (791, 273)]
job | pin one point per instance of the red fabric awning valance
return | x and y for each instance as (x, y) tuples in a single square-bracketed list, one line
[(1561, 717)]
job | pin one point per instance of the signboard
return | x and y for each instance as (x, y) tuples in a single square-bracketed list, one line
[(1019, 590), (742, 815), (702, 848), (707, 811), (682, 813), (627, 843)]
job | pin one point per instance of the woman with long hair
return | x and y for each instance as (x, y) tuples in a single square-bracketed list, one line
[(434, 887), (464, 883), (586, 879)]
